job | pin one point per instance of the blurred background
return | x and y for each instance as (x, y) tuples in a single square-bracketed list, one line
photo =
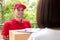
[(6, 11)]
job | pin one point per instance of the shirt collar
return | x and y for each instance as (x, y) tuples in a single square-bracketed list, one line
[(15, 21)]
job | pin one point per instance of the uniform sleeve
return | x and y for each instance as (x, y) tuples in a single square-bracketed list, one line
[(5, 29), (29, 24)]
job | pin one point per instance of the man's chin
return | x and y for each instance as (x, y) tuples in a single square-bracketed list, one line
[(20, 17)]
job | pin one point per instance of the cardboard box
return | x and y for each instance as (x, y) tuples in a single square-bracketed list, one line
[(18, 35)]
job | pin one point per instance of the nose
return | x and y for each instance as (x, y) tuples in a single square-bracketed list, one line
[(22, 11)]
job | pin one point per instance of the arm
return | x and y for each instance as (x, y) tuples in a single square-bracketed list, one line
[(5, 31)]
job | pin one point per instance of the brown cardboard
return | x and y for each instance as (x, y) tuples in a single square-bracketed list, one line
[(14, 35)]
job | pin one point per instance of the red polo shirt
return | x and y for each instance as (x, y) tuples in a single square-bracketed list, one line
[(14, 25)]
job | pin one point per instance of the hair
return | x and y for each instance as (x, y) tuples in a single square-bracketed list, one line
[(48, 13)]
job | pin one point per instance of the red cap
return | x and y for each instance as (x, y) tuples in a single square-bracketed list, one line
[(19, 5)]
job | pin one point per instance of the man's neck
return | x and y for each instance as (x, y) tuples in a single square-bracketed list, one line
[(18, 19)]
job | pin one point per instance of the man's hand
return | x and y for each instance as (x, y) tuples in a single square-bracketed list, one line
[(4, 38)]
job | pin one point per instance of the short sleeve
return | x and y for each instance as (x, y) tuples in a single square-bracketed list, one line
[(29, 24), (5, 29)]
